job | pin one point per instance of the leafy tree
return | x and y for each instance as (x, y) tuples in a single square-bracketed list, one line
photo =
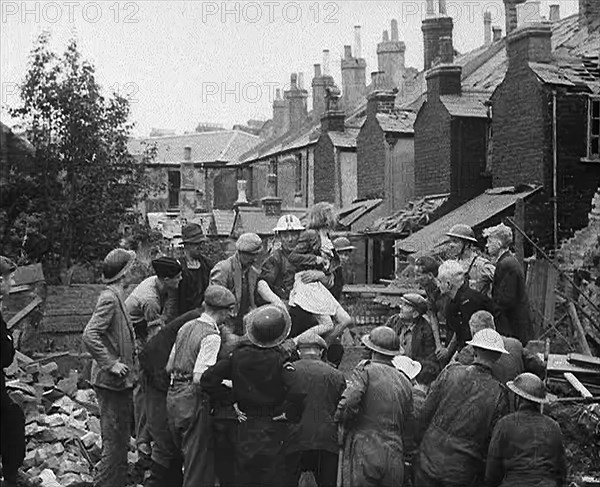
[(83, 185)]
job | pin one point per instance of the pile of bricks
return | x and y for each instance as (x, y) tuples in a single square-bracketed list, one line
[(62, 425)]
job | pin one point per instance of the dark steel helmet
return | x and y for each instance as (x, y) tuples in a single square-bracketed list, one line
[(116, 264), (530, 387), (268, 326), (384, 340), (464, 232)]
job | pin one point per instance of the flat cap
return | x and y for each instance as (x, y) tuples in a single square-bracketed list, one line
[(311, 340), (249, 242), (415, 300), (218, 296), (166, 266)]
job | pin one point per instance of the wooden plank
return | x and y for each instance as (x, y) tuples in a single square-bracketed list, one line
[(24, 312), (585, 347), (560, 363), (577, 385), (520, 220), (550, 296), (578, 358)]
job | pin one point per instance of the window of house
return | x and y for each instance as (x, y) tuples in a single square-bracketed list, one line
[(594, 128), (273, 166), (174, 188), (298, 175)]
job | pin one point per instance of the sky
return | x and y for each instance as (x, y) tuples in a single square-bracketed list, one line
[(182, 63)]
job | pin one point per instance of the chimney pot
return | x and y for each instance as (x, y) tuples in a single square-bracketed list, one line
[(325, 62), (487, 28), (317, 70), (294, 81), (497, 33), (278, 94), (241, 188), (430, 9), (357, 42), (385, 36), (347, 52), (300, 81), (443, 11), (554, 13), (394, 30)]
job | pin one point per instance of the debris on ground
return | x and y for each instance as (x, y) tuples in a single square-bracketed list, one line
[(62, 426)]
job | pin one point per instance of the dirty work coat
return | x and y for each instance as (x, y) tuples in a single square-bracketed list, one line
[(228, 273), (377, 410), (456, 422), (109, 337), (509, 293), (526, 451)]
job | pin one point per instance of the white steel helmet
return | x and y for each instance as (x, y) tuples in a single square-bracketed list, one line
[(288, 223)]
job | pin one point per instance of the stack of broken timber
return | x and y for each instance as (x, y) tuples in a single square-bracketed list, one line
[(62, 425), (582, 372)]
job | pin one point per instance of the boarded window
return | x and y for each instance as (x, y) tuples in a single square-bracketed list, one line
[(594, 128), (174, 188)]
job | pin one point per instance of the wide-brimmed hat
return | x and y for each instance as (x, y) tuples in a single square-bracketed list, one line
[(192, 233), (116, 264), (268, 326), (530, 387), (288, 223), (417, 301), (342, 244), (166, 267), (463, 232), (384, 340), (410, 367), (488, 339)]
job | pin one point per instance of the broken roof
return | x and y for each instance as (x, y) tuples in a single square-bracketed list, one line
[(473, 213), (220, 146), (414, 216), (401, 121), (254, 219), (470, 105), (345, 140), (352, 213)]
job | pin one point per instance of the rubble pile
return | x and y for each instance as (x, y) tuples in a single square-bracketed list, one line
[(62, 425)]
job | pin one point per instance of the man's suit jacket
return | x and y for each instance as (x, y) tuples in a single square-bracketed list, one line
[(228, 273)]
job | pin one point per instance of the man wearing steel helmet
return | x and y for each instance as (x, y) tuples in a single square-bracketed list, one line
[(456, 421), (478, 271), (264, 394), (377, 411), (527, 447), (13, 419)]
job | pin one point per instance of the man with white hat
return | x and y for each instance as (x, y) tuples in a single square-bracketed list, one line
[(527, 447), (238, 274), (377, 410), (509, 291), (315, 448), (456, 421)]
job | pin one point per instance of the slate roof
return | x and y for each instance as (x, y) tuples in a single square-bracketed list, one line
[(473, 213), (467, 105), (352, 213), (218, 146), (399, 122), (345, 140), (223, 221)]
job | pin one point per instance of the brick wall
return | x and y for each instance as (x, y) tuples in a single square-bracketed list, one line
[(324, 170), (521, 130), (400, 173), (432, 150), (468, 158), (371, 153), (224, 187)]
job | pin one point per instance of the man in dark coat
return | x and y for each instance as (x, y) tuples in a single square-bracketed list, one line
[(13, 419), (518, 360), (464, 301), (509, 292), (457, 419), (264, 393), (527, 447), (195, 270), (315, 449), (376, 410)]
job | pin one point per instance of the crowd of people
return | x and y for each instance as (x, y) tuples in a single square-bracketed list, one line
[(232, 373)]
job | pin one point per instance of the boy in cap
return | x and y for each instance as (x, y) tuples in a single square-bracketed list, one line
[(195, 270), (13, 419), (527, 447), (109, 338), (151, 305), (315, 448), (457, 419), (509, 291), (413, 329), (377, 411), (265, 395), (196, 349), (240, 276)]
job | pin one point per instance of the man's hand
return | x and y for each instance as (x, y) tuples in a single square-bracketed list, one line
[(312, 276), (119, 369), (442, 354)]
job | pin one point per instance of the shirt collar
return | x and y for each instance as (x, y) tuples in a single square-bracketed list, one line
[(502, 254), (209, 319)]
